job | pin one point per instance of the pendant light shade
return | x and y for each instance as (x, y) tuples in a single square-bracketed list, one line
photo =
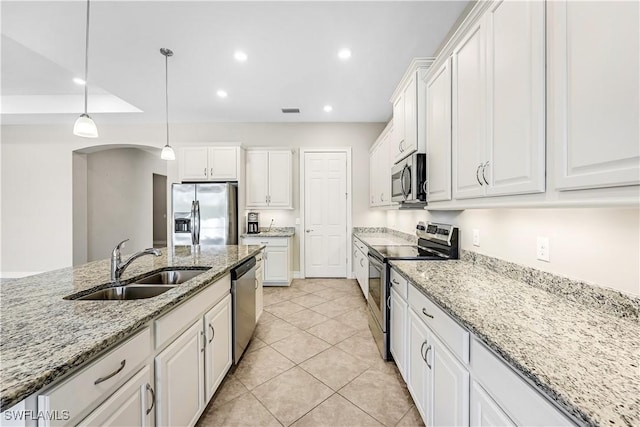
[(167, 151), (85, 126)]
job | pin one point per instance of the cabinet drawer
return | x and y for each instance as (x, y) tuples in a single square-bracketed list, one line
[(449, 331), (95, 382), (522, 403), (358, 244), (265, 241), (398, 283), (178, 319)]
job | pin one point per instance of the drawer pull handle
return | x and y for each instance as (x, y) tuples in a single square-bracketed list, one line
[(153, 398), (395, 281), (424, 311), (425, 356), (389, 302), (421, 350), (361, 262), (213, 331), (116, 372)]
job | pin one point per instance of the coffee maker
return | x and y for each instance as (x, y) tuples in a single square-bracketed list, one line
[(252, 223)]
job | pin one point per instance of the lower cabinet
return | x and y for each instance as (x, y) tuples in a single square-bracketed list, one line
[(450, 405), (217, 354), (419, 376), (398, 331), (259, 290), (276, 259), (361, 265), (484, 411), (131, 405), (180, 379)]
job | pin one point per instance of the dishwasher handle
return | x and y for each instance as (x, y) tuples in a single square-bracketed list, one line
[(243, 268)]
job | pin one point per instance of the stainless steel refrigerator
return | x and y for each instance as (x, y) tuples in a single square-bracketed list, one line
[(205, 214)]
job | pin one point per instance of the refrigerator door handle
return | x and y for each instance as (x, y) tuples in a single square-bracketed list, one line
[(193, 222), (197, 234)]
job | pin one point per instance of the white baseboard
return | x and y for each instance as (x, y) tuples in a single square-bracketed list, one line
[(17, 274)]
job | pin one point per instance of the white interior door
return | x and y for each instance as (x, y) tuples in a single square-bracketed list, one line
[(325, 214)]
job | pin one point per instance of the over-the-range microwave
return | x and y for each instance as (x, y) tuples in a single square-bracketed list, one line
[(409, 180)]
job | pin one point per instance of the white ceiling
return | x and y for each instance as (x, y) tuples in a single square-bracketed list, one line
[(292, 48)]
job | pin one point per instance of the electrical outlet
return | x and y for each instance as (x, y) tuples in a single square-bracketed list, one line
[(542, 252), (297, 221), (476, 237)]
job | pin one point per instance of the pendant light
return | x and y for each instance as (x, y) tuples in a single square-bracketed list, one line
[(167, 151), (84, 125)]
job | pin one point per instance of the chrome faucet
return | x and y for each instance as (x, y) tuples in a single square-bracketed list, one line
[(118, 267)]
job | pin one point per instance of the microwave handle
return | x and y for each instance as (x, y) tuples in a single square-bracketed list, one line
[(405, 194)]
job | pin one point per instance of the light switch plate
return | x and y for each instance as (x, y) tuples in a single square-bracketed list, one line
[(476, 237), (542, 251)]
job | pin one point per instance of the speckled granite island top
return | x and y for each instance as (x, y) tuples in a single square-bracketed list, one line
[(585, 359), (44, 336)]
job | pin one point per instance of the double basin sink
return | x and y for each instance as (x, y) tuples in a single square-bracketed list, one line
[(147, 287)]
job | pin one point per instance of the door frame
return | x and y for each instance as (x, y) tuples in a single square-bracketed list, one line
[(347, 151)]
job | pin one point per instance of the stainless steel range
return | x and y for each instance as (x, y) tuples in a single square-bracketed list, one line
[(436, 242)]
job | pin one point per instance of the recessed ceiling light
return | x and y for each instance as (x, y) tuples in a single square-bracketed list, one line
[(240, 56), (222, 93), (328, 108), (78, 81), (344, 54)]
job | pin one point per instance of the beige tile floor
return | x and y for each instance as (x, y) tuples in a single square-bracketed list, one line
[(312, 362)]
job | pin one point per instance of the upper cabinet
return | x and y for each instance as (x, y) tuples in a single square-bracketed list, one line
[(408, 112), (594, 50), (498, 103), (269, 177), (438, 97), (380, 163), (209, 163)]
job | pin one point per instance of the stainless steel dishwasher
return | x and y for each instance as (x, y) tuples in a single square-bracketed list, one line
[(243, 294)]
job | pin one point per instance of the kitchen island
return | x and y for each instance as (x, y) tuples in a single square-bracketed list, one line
[(45, 337)]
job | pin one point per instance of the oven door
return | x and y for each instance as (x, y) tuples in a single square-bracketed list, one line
[(376, 300), (401, 181)]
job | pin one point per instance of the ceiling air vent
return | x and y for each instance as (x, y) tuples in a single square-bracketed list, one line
[(291, 110)]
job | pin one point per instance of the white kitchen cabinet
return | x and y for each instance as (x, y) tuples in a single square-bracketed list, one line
[(498, 103), (438, 97), (218, 348), (361, 266), (408, 112), (398, 328), (450, 406), (484, 411), (131, 405), (269, 179), (276, 259), (380, 164), (209, 163), (594, 106), (259, 289), (180, 379), (419, 376)]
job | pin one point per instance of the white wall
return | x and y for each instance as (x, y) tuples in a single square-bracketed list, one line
[(120, 200), (596, 245), (37, 194)]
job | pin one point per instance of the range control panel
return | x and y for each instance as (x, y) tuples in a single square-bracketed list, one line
[(435, 231)]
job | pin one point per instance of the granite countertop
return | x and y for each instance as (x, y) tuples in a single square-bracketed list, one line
[(584, 359), (371, 237), (274, 232), (45, 336)]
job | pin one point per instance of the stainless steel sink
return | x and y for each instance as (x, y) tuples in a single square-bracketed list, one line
[(169, 277), (128, 292)]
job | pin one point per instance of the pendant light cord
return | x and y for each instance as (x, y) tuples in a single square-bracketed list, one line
[(166, 92), (86, 60)]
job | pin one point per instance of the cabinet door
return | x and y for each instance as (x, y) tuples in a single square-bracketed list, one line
[(217, 355), (383, 172), (131, 405), (418, 372), (484, 411), (223, 163), (594, 107), (516, 98), (398, 127), (194, 164), (257, 178), (398, 332), (468, 114), (276, 264), (180, 379), (361, 267), (373, 179), (439, 134), (450, 399), (280, 179), (259, 290), (410, 120)]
